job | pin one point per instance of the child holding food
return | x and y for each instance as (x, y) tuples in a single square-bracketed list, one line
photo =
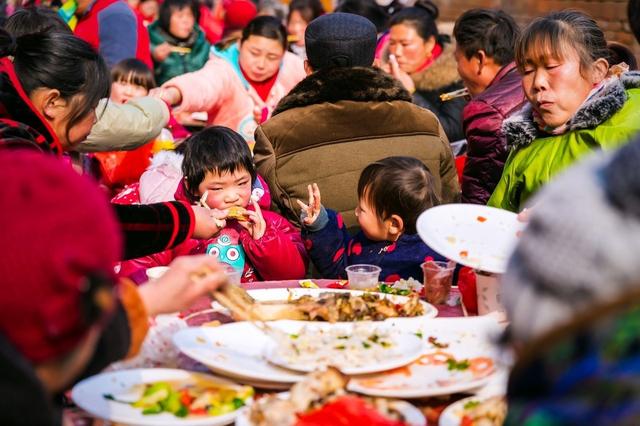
[(391, 195), (218, 171)]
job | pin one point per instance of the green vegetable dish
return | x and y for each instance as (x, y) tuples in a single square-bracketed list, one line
[(190, 399)]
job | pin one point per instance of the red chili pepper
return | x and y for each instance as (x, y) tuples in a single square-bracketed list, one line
[(466, 421), (185, 398), (198, 411)]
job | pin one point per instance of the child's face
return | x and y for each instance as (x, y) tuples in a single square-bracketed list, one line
[(226, 189), (372, 227), (122, 91), (181, 23)]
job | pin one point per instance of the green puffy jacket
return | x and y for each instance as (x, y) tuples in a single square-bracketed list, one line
[(178, 63), (606, 122)]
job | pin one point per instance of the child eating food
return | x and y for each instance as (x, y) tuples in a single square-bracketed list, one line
[(391, 195), (218, 171)]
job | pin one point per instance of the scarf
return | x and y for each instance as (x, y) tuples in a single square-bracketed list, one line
[(68, 13)]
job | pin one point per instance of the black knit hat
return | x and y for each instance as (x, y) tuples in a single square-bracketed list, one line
[(340, 40)]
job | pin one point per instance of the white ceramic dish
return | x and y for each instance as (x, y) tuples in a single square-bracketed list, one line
[(89, 395), (473, 235), (466, 339), (403, 348), (284, 294), (413, 416)]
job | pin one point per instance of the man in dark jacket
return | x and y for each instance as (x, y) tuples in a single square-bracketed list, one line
[(343, 116), (485, 50)]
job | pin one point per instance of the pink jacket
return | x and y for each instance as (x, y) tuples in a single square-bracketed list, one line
[(278, 255), (220, 89)]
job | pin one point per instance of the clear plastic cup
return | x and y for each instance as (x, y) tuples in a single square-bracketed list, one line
[(234, 276), (363, 276), (438, 277)]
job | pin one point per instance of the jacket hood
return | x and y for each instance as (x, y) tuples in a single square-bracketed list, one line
[(20, 123), (359, 84), (441, 73), (521, 130)]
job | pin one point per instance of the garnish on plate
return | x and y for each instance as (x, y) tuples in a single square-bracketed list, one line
[(453, 364), (434, 341)]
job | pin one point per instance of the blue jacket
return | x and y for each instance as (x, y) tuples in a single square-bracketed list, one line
[(332, 249)]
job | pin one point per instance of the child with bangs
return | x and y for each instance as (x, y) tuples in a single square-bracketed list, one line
[(217, 170), (131, 78), (391, 195)]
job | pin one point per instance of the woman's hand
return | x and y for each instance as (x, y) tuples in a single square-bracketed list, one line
[(161, 52), (208, 222), (313, 208), (256, 224), (400, 75), (187, 280), (171, 95)]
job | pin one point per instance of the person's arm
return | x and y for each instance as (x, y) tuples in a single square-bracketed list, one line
[(279, 254), (504, 196), (118, 33), (153, 228), (486, 152), (123, 127), (327, 242), (200, 90)]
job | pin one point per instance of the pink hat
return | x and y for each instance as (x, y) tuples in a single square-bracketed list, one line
[(58, 243)]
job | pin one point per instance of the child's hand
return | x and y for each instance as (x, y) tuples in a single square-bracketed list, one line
[(161, 52), (256, 224), (315, 206)]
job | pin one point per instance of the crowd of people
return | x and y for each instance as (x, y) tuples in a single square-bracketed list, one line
[(129, 131)]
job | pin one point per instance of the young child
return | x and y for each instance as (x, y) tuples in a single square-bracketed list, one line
[(178, 45), (391, 195), (218, 169), (131, 78)]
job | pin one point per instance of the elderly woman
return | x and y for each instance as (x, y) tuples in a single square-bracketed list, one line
[(240, 85), (423, 60), (576, 104)]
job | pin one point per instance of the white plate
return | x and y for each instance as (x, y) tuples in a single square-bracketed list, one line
[(451, 416), (235, 350), (89, 395), (467, 339), (473, 235), (413, 416), (283, 294), (405, 348)]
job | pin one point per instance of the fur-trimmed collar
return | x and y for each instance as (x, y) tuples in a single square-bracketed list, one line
[(521, 130), (359, 84), (441, 73)]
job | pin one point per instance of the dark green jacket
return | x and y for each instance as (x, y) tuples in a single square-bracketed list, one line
[(178, 63)]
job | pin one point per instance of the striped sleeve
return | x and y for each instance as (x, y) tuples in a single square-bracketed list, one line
[(153, 228)]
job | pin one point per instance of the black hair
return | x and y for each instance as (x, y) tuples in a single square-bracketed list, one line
[(633, 14), (216, 149), (398, 185), (133, 71), (169, 6), (619, 53), (308, 9), (368, 9), (493, 31), (59, 61), (422, 17), (32, 20), (268, 27)]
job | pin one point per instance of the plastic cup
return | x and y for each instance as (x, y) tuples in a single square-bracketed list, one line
[(156, 272), (363, 276), (234, 276), (488, 288), (438, 277)]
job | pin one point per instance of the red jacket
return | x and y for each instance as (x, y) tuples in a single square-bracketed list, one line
[(115, 31), (486, 144), (279, 255)]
